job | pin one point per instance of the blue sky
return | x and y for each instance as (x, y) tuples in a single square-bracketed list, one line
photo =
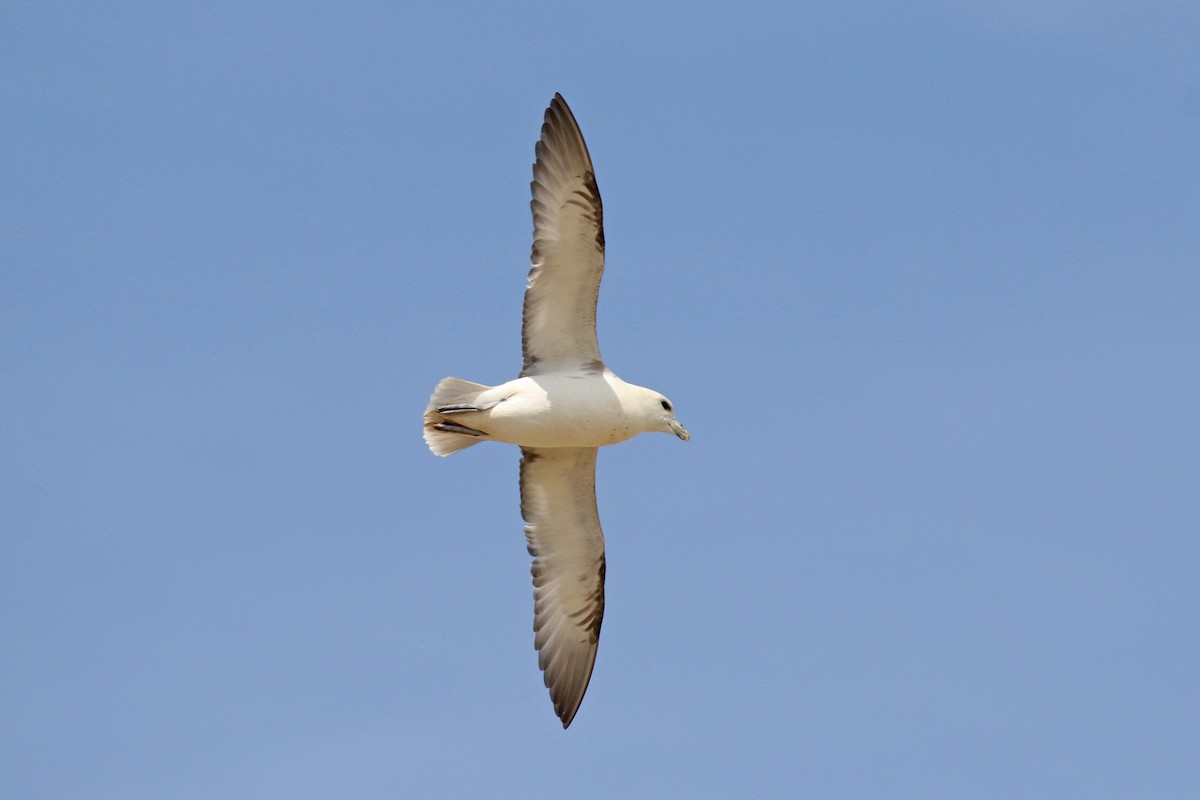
[(920, 278)]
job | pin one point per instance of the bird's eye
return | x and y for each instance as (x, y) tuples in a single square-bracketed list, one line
[(666, 406)]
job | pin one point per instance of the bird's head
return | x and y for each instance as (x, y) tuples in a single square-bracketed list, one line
[(661, 415)]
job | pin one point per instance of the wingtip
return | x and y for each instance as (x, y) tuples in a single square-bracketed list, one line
[(559, 104), (567, 716)]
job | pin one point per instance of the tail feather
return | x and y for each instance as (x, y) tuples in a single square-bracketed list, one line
[(443, 435)]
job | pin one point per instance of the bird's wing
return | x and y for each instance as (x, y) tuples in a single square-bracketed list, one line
[(558, 502), (559, 330)]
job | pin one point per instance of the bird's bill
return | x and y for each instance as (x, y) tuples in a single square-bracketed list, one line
[(680, 431)]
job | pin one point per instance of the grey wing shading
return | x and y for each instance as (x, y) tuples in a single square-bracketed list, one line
[(558, 502), (559, 330)]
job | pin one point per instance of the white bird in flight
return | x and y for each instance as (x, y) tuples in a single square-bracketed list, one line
[(565, 404)]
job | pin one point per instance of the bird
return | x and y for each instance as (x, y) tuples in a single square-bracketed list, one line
[(563, 406)]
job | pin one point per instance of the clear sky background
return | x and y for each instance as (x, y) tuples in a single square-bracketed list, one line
[(921, 278)]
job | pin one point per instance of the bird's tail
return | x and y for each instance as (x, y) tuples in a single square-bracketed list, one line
[(443, 433)]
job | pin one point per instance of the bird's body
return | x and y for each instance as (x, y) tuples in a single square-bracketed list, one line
[(565, 404), (580, 408)]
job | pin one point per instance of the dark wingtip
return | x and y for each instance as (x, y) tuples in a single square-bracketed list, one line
[(559, 104)]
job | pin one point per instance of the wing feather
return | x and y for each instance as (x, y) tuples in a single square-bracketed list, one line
[(558, 502), (559, 321)]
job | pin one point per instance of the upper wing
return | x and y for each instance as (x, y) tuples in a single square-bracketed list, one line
[(558, 502), (559, 328)]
